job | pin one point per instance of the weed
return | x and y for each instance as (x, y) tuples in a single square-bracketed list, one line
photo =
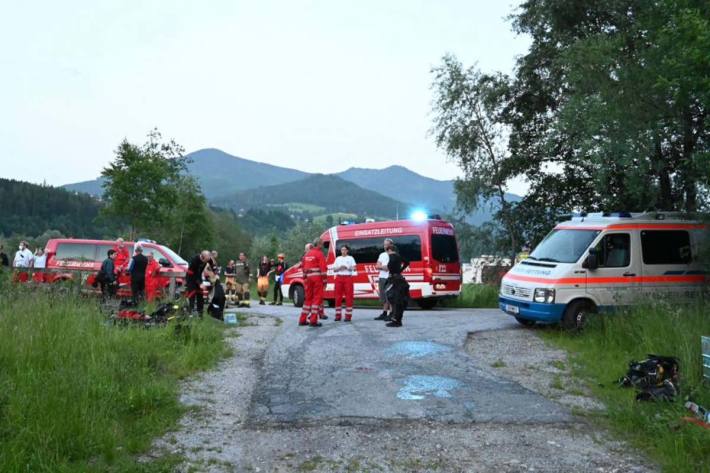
[(77, 394), (498, 364), (474, 296), (601, 354)]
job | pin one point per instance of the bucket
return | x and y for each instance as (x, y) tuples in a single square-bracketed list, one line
[(230, 319)]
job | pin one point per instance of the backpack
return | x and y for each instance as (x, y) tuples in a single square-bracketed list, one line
[(655, 378)]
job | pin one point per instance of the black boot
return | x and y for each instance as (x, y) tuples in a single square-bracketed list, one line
[(382, 316)]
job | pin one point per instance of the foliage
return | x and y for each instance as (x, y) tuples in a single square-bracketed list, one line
[(614, 96), (326, 193), (295, 240), (79, 395), (470, 126), (31, 209), (601, 354), (606, 111), (142, 184), (230, 238), (474, 296), (148, 188), (474, 241), (262, 222)]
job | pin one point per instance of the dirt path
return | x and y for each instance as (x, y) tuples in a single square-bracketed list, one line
[(295, 399)]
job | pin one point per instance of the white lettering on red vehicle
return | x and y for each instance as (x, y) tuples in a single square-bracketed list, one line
[(379, 231), (442, 231)]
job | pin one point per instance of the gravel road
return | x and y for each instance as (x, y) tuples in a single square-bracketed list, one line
[(452, 391)]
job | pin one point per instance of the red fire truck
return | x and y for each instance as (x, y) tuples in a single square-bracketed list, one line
[(87, 255), (429, 245)]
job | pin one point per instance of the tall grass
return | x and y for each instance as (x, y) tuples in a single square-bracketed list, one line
[(601, 354), (78, 394), (474, 296)]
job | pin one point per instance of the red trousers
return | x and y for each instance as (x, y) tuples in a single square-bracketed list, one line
[(344, 289), (313, 298)]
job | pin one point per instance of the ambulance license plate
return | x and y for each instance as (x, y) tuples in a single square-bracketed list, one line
[(512, 309)]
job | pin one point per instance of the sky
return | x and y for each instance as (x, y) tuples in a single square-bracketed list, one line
[(315, 85)]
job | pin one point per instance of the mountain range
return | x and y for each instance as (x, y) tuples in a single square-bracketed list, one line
[(238, 183)]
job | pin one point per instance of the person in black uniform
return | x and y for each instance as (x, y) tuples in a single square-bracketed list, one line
[(137, 269), (193, 280), (4, 260), (397, 287), (280, 268), (218, 301)]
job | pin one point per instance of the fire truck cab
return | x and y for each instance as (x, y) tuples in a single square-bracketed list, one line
[(430, 247)]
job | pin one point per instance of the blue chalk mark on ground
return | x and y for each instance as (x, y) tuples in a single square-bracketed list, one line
[(419, 386), (416, 349)]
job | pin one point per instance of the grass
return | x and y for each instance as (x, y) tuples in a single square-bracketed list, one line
[(600, 355), (475, 296), (80, 395)]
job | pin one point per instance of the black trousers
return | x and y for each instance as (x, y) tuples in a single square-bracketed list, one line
[(398, 311), (138, 289), (108, 289), (278, 296), (195, 296)]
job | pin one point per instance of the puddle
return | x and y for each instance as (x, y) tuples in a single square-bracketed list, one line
[(420, 386), (416, 349)]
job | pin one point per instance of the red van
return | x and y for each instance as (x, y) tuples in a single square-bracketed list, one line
[(430, 246), (87, 255)]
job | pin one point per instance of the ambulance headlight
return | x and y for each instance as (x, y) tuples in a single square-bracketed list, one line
[(544, 296)]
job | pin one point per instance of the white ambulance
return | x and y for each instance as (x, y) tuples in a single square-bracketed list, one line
[(597, 262)]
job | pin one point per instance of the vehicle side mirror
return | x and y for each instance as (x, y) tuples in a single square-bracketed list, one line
[(592, 260), (164, 263)]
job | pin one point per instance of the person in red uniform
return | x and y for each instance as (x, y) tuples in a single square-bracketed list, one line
[(122, 256), (314, 274), (152, 278)]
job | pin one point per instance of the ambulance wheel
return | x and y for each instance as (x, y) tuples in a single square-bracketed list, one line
[(426, 304), (298, 296), (526, 322), (576, 315)]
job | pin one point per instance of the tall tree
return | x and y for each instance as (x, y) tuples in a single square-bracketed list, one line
[(470, 126), (615, 94), (142, 183)]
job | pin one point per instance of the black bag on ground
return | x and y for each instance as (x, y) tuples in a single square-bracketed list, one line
[(656, 378)]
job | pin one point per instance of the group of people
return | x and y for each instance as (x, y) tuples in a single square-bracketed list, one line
[(143, 270), (26, 263), (393, 287)]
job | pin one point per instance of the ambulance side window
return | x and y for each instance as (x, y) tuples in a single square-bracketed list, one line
[(614, 251), (666, 247), (326, 245)]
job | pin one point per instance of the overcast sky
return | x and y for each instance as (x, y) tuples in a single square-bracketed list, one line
[(315, 85)]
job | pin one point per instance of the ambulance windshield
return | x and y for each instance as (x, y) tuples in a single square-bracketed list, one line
[(564, 246)]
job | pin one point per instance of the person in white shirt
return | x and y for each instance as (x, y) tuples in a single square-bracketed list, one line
[(40, 259), (344, 270), (382, 261), (39, 262), (23, 260)]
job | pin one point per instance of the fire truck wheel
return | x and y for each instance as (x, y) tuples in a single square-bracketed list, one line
[(427, 304), (576, 315), (298, 295)]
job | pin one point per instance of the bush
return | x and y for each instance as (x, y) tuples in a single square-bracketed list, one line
[(475, 296), (601, 354), (80, 394)]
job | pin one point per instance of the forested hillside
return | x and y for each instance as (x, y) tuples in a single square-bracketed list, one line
[(325, 193), (30, 209)]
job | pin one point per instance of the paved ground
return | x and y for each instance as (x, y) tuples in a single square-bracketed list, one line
[(363, 397)]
